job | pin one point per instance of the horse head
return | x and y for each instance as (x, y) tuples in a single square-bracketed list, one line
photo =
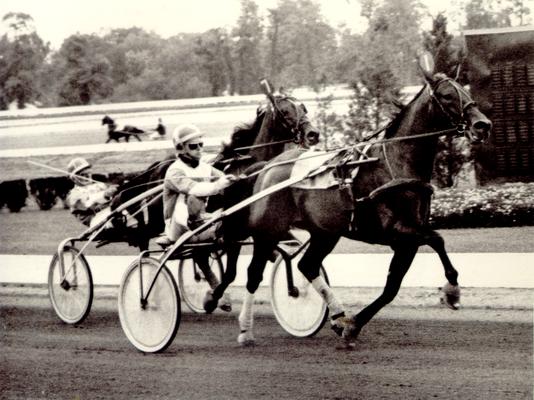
[(460, 108), (455, 102), (106, 120), (293, 117)]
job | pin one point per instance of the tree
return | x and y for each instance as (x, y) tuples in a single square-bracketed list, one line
[(84, 73), (23, 55), (495, 13), (130, 51), (381, 63), (214, 49), (301, 44), (247, 39)]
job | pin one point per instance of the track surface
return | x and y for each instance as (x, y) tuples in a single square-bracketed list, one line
[(405, 353)]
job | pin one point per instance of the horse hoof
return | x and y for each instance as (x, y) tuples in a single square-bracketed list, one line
[(246, 339), (226, 303), (339, 323), (451, 296), (350, 334), (210, 304)]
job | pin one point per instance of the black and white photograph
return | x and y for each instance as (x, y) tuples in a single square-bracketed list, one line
[(267, 199)]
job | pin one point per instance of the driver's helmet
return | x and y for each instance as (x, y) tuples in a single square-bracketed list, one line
[(75, 167), (184, 133)]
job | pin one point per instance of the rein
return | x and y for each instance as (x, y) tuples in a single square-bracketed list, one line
[(363, 144), (459, 129), (257, 146)]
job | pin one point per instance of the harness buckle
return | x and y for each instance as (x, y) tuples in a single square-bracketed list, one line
[(461, 128)]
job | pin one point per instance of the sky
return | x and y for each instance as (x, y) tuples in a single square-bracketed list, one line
[(56, 20)]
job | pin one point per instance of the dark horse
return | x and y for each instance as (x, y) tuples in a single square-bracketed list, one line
[(282, 122), (389, 202), (125, 133)]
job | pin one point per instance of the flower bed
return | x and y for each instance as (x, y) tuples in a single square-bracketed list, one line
[(510, 204)]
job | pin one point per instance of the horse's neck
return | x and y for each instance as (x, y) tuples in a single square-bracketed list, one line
[(414, 158), (267, 134)]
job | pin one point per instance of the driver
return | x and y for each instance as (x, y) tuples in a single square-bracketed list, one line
[(188, 182), (88, 197)]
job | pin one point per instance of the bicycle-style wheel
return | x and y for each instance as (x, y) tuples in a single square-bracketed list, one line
[(192, 282), (70, 288), (150, 327), (303, 312)]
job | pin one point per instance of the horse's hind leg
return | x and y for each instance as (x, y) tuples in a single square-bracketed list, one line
[(212, 298), (202, 260), (310, 266), (402, 259), (262, 251), (451, 290)]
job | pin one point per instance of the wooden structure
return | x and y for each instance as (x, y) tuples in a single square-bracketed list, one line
[(501, 74)]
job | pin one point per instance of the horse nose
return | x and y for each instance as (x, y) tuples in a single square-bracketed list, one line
[(483, 125), (312, 137), (480, 130)]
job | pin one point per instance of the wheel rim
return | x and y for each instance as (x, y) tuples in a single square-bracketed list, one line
[(193, 285), (152, 328), (303, 315), (72, 300)]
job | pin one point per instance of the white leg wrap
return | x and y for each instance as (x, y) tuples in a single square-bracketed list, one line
[(246, 316), (320, 285)]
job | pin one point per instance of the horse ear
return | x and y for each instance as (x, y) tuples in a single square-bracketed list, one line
[(266, 88), (425, 62), (457, 71)]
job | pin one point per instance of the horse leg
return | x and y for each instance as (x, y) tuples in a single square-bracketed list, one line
[(212, 296), (262, 252), (451, 291), (310, 266), (137, 137), (201, 258), (402, 259)]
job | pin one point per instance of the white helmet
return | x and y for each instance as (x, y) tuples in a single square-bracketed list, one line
[(184, 133), (76, 165)]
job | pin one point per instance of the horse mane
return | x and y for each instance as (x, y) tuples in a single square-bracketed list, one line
[(244, 134), (394, 124)]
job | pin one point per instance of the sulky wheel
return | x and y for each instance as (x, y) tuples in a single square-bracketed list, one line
[(152, 323), (300, 310), (192, 282), (70, 287)]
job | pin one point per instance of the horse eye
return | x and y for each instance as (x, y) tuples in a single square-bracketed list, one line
[(447, 97)]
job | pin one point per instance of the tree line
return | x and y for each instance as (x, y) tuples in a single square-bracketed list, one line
[(293, 46)]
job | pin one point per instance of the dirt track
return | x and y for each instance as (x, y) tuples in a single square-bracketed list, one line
[(405, 353)]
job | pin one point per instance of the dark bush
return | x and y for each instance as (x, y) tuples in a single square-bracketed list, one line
[(43, 192), (14, 194)]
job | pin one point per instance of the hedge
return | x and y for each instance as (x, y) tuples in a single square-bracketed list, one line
[(504, 205)]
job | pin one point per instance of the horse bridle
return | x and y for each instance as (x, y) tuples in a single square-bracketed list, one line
[(460, 124), (295, 129)]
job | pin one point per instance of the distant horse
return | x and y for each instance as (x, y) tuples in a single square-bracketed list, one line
[(125, 133), (387, 203)]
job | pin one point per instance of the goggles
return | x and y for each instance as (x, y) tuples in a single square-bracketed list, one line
[(195, 146)]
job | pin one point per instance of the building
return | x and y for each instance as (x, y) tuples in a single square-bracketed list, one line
[(501, 75)]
